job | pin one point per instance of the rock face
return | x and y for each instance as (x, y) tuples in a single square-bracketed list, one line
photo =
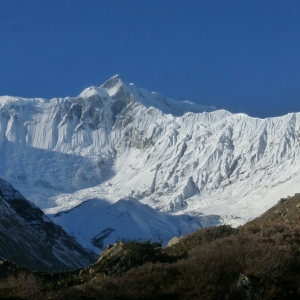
[(30, 239), (174, 240), (248, 288), (109, 252)]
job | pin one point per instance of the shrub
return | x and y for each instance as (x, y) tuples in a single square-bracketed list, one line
[(143, 251), (200, 236), (21, 285)]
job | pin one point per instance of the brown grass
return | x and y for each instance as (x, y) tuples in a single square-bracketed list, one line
[(22, 285), (210, 270), (203, 265)]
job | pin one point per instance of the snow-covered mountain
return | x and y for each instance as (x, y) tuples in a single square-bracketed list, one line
[(117, 142), (125, 220), (31, 239)]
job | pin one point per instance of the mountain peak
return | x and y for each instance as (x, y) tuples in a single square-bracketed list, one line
[(117, 76), (119, 89), (114, 81)]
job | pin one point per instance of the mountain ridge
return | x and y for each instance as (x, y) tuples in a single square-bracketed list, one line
[(65, 151)]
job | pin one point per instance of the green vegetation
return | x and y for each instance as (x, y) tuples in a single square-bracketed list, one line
[(260, 260)]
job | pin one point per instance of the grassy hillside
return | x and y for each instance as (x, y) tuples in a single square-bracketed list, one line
[(260, 260)]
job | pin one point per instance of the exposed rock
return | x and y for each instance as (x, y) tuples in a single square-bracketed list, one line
[(109, 251), (248, 288), (97, 241), (282, 200), (174, 241)]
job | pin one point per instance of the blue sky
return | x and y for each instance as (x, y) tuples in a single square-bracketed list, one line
[(242, 55)]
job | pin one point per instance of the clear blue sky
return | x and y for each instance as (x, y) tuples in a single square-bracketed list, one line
[(242, 55)]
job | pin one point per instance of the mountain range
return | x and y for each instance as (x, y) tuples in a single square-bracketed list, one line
[(119, 162)]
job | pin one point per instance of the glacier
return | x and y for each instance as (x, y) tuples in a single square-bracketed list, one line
[(118, 142)]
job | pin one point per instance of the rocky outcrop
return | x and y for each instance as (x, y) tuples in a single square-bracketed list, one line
[(174, 240), (121, 257), (109, 252), (248, 288)]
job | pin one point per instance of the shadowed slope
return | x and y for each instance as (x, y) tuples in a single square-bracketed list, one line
[(31, 239)]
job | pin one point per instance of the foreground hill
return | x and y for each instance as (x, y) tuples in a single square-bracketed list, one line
[(259, 260), (31, 239)]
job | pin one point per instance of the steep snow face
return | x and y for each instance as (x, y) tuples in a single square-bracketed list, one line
[(31, 239), (67, 143), (209, 162), (121, 142), (56, 143)]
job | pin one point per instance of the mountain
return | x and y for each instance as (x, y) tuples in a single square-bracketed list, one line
[(31, 239), (118, 141), (101, 223)]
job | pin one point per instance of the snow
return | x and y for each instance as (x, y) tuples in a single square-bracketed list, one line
[(9, 102), (116, 85), (120, 142), (92, 91), (126, 219)]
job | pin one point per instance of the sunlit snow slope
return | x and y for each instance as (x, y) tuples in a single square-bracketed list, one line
[(117, 142)]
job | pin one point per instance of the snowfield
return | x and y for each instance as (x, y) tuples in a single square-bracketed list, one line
[(161, 164)]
